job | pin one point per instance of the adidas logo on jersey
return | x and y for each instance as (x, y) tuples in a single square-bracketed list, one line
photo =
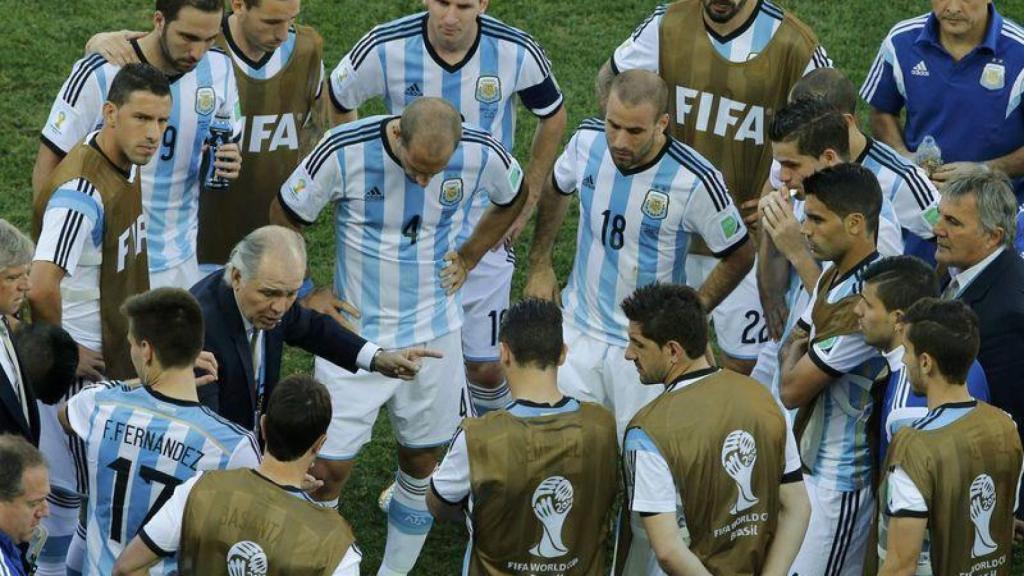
[(374, 194), (414, 90), (920, 69), (588, 182)]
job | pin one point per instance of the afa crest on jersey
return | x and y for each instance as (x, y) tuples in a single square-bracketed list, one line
[(451, 192), (206, 100), (993, 76), (655, 205), (488, 89)]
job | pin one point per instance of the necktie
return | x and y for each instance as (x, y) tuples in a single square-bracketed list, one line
[(951, 289), (257, 361), (16, 382)]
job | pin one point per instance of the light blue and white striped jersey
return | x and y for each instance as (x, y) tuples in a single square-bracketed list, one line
[(835, 444), (170, 182), (140, 445), (391, 233), (912, 194), (635, 226), (396, 61)]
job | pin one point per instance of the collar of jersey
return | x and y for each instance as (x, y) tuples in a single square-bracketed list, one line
[(168, 399), (126, 174), (653, 162), (855, 270), (440, 61), (225, 29), (690, 377), (142, 58), (737, 32)]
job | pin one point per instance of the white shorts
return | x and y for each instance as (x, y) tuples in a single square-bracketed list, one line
[(184, 275), (739, 321), (485, 298), (837, 534), (424, 412), (65, 453), (596, 371)]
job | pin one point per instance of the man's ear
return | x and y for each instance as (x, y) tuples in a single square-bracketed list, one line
[(110, 114)]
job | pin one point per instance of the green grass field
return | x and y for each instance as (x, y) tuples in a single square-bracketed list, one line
[(42, 38)]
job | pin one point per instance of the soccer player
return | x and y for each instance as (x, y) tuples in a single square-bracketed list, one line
[(537, 480), (953, 474), (750, 55), (479, 65), (402, 187), (91, 256), (711, 464), (140, 443), (303, 537), (828, 371), (890, 287), (643, 197), (202, 87)]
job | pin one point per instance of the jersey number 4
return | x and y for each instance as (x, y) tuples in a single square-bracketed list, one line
[(122, 468)]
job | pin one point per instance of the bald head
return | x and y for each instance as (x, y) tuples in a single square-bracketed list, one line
[(829, 85), (634, 88), (432, 125)]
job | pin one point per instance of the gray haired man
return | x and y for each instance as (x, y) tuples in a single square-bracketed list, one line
[(18, 411), (250, 313)]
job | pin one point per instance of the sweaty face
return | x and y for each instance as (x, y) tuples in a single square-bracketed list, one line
[(722, 11), (795, 166), (20, 517), (139, 125), (631, 132), (958, 17), (960, 239), (652, 361), (187, 39), (453, 22), (270, 293), (824, 230), (14, 285), (875, 321), (266, 26)]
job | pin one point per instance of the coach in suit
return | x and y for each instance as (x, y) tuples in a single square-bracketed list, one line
[(250, 315), (974, 236), (18, 411)]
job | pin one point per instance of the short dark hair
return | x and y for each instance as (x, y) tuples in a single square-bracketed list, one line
[(532, 330), (298, 413), (946, 330), (171, 321), (137, 78), (901, 281), (668, 312), (828, 85), (49, 356), (16, 456), (170, 8), (814, 125), (847, 189)]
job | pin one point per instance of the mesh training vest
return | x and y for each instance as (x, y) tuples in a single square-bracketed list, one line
[(274, 110), (724, 439), (238, 517), (543, 489), (723, 109), (967, 473), (124, 270)]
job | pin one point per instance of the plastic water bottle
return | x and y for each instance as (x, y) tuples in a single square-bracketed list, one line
[(928, 155), (220, 134)]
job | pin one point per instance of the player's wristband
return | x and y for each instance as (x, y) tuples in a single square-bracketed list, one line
[(306, 288)]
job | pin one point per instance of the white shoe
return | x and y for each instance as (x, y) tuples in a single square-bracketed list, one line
[(384, 500)]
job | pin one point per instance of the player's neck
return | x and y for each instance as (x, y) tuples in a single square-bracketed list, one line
[(960, 45), (533, 385), (858, 142), (284, 473), (178, 383), (150, 46), (683, 368), (110, 149), (895, 342), (725, 29), (941, 392), (859, 250), (451, 53), (240, 41)]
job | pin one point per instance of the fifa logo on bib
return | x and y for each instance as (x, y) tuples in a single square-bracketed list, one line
[(246, 558), (488, 89), (739, 452), (552, 501), (451, 192), (983, 504), (206, 100)]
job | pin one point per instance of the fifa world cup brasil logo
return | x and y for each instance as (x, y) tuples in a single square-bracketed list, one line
[(247, 558), (552, 501), (983, 503), (739, 452)]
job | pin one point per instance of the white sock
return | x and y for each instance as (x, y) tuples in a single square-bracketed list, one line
[(60, 526), (409, 522), (486, 399)]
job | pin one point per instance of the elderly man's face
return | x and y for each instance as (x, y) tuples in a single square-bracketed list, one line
[(271, 291), (20, 517), (14, 285), (959, 17), (960, 239)]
